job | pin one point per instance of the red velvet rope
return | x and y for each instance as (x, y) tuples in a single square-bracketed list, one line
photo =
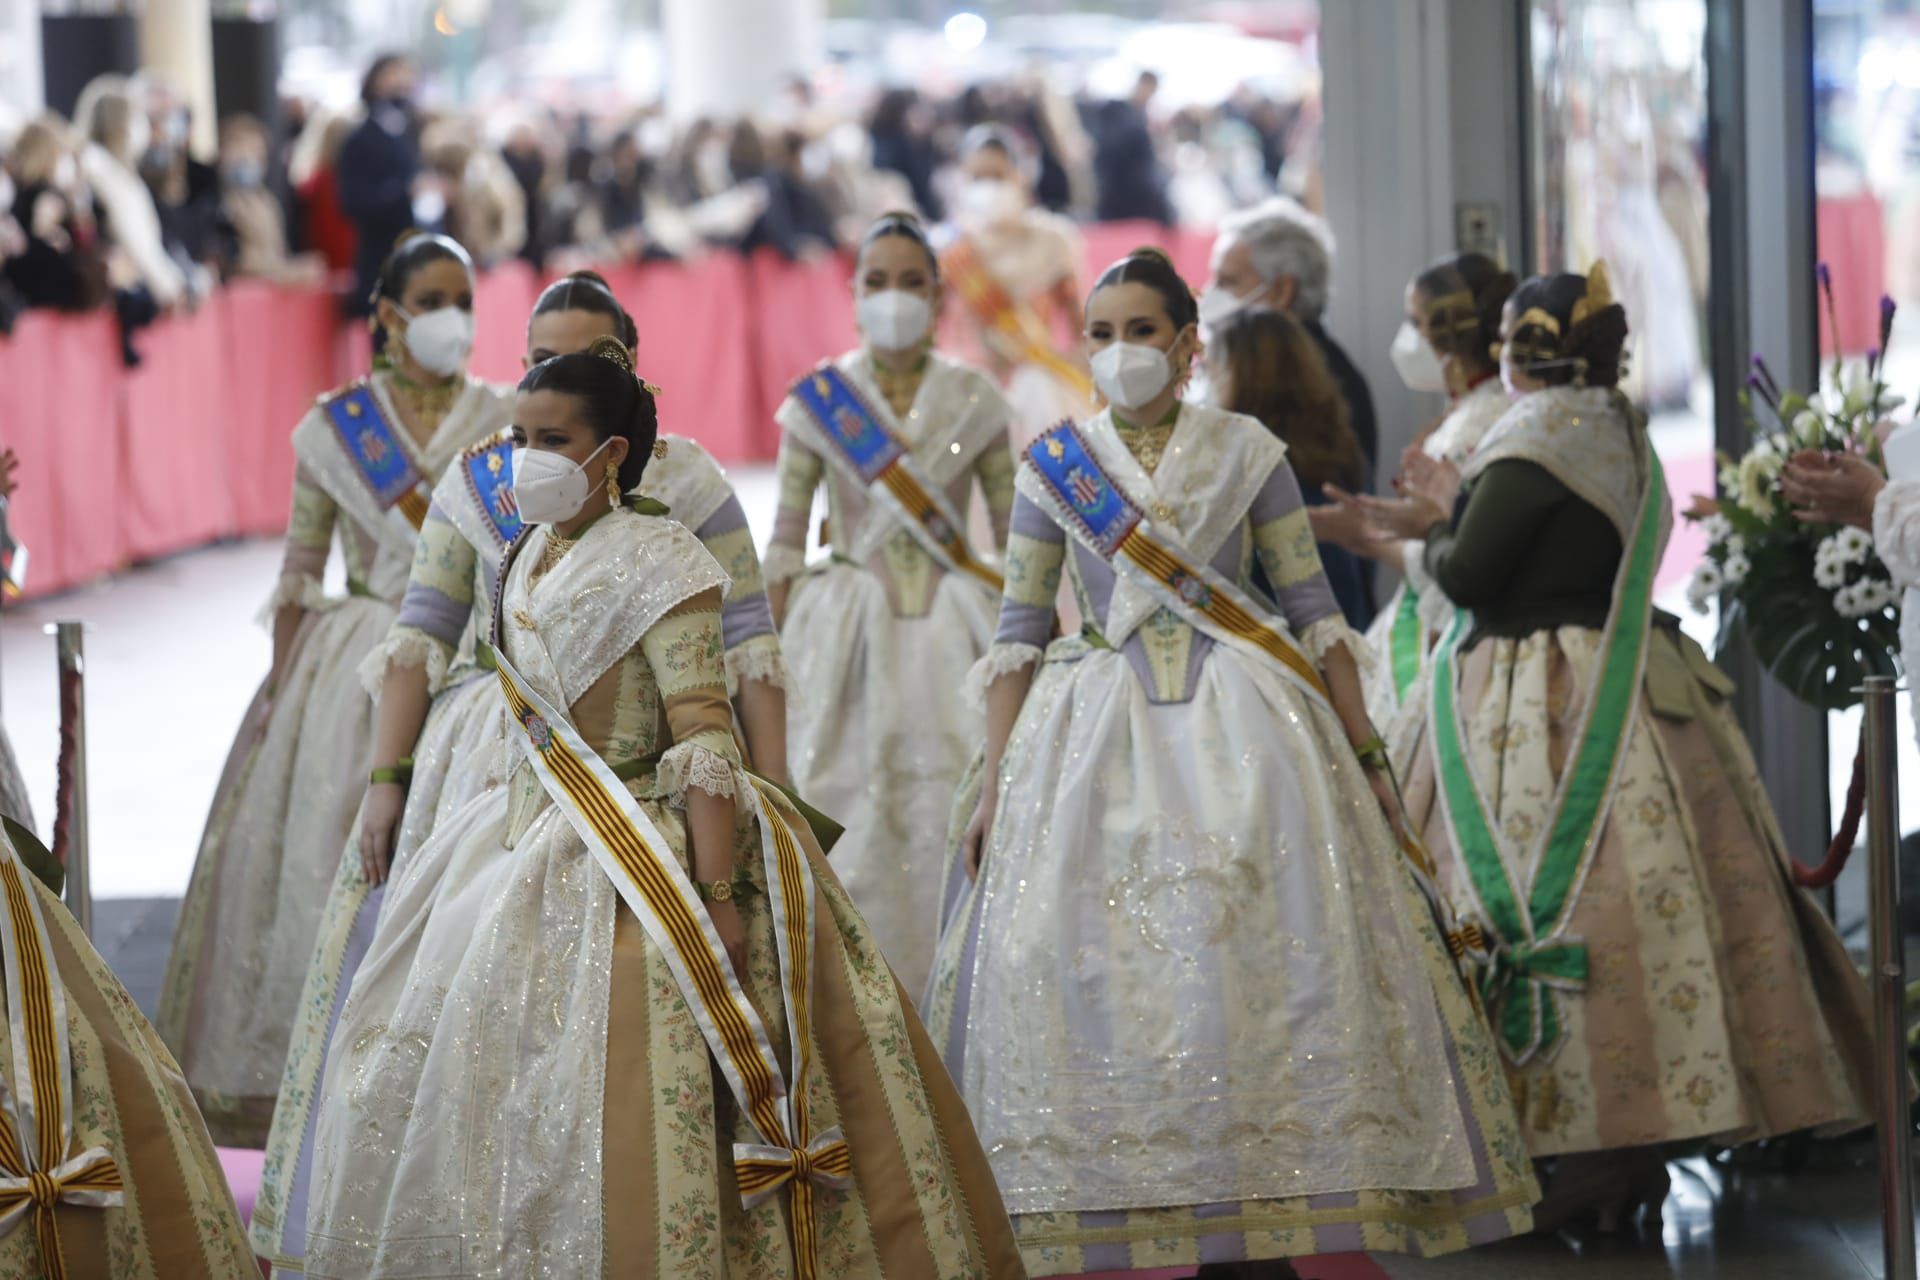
[(63, 789), (1842, 847)]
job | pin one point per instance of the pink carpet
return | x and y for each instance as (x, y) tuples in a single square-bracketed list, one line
[(243, 1169), (1339, 1266)]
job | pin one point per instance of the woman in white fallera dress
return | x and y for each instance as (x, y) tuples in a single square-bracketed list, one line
[(882, 636), (523, 1079), (456, 747), (1446, 344), (368, 458), (1196, 1003), (1016, 269)]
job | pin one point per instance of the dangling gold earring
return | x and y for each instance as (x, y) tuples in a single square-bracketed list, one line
[(613, 486)]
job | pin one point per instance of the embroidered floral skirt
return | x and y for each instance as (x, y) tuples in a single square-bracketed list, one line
[(1719, 1002), (283, 810), (517, 1087), (178, 1218), (1196, 1003), (461, 752), (880, 734)]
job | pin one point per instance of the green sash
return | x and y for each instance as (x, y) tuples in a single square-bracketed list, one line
[(1406, 642), (1532, 957)]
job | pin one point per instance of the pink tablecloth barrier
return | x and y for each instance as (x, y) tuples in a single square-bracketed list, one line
[(119, 465)]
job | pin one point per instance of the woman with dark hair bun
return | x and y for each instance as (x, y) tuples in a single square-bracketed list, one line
[(532, 1062), (881, 636), (438, 739), (1447, 344), (1195, 1001), (368, 457), (1592, 805)]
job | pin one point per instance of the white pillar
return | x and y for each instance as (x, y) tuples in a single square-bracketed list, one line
[(22, 86), (731, 57), (176, 44)]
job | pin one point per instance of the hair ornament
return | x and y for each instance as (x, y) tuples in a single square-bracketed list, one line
[(659, 448), (613, 350), (1539, 318), (1599, 295), (1454, 312), (650, 388)]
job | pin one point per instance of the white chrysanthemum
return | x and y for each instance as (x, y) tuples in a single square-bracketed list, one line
[(1847, 602), (1853, 545), (1735, 545), (1874, 595), (1703, 586), (1734, 569), (1828, 573)]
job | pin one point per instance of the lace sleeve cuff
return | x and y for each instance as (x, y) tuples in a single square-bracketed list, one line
[(782, 563), (756, 659), (694, 764), (300, 589), (405, 647), (999, 660), (1332, 632)]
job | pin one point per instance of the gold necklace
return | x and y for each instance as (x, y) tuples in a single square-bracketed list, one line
[(1147, 444), (555, 550), (426, 404)]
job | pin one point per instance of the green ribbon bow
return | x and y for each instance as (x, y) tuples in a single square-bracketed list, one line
[(1519, 987)]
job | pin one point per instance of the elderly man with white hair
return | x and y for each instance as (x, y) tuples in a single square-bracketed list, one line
[(1278, 256)]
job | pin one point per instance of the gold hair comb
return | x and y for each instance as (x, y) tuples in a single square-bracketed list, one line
[(1599, 295), (614, 350)]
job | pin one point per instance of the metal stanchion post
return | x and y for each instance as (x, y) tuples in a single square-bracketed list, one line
[(1888, 949), (73, 670)]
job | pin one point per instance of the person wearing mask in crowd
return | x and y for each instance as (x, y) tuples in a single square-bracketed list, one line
[(186, 191), (1279, 255), (536, 1059), (1446, 344), (58, 263), (367, 460), (1132, 181), (1262, 364), (258, 234), (484, 209), (1592, 805), (621, 194), (794, 221), (881, 637), (117, 133), (1015, 270), (383, 188), (1251, 973), (438, 706)]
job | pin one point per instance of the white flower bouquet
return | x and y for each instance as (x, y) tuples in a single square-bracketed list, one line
[(1814, 600)]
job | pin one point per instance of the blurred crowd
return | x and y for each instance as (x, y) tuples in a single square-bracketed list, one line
[(112, 209)]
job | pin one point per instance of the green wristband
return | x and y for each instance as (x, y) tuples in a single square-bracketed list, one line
[(400, 772)]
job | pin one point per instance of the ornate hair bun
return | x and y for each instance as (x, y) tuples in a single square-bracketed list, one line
[(614, 350)]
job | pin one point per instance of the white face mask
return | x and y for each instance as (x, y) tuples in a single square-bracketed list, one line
[(1419, 368), (990, 201), (1129, 374), (893, 319), (1217, 306), (439, 341), (550, 487)]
